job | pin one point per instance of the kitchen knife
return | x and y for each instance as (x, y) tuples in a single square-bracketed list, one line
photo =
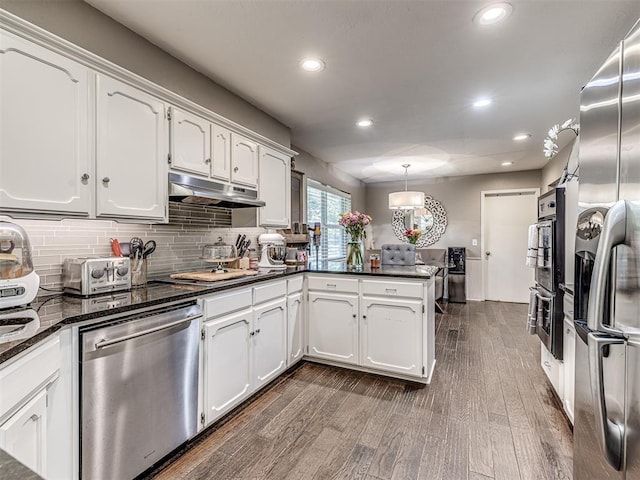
[(238, 241), (245, 249), (241, 243)]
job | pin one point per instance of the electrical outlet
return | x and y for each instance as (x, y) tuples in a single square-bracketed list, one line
[(474, 242)]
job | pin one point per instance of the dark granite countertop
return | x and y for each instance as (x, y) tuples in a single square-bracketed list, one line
[(10, 469), (54, 312)]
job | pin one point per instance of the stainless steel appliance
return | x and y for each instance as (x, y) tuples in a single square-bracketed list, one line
[(139, 390), (549, 271), (19, 281), (198, 191), (607, 271), (93, 276), (274, 251), (456, 285)]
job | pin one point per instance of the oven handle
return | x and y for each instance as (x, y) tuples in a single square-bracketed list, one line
[(614, 233), (106, 343)]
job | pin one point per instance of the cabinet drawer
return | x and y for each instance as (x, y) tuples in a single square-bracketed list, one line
[(295, 284), (392, 289), (23, 377), (217, 305), (333, 284), (269, 291)]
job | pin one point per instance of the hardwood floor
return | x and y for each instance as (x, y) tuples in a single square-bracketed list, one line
[(489, 412)]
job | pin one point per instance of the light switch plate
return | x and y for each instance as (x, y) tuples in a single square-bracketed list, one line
[(474, 242)]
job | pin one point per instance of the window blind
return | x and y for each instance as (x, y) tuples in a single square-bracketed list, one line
[(325, 204)]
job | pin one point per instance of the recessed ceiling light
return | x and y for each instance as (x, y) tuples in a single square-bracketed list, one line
[(492, 14), (312, 64), (522, 136), (482, 102), (506, 164), (365, 123)]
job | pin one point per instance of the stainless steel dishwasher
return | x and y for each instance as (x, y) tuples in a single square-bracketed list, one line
[(139, 390)]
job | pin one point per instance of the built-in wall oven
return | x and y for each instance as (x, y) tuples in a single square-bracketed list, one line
[(139, 389), (549, 270)]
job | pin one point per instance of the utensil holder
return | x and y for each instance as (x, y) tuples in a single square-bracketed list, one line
[(138, 272)]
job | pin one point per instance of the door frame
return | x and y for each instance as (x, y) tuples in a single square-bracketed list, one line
[(483, 225)]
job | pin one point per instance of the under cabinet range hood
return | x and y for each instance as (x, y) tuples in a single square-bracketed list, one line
[(197, 191)]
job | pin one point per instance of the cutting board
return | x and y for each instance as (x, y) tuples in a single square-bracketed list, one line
[(209, 276)]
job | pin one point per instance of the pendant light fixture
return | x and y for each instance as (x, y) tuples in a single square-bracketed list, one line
[(406, 200)]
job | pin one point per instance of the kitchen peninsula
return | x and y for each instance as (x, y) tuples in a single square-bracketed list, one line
[(379, 321)]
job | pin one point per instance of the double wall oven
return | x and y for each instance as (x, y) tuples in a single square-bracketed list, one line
[(549, 270)]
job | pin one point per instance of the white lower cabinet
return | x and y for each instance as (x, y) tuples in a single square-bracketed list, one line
[(569, 356), (227, 358), (553, 368), (333, 326), (295, 331), (391, 334), (24, 435), (269, 337)]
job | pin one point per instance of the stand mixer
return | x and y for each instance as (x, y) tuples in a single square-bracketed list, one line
[(274, 251)]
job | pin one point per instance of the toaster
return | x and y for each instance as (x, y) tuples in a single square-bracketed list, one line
[(93, 276)]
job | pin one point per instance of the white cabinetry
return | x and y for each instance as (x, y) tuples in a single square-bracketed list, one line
[(24, 410), (275, 189), (269, 338), (221, 163), (190, 142), (227, 371), (24, 435), (569, 356), (295, 319), (391, 334), (333, 326), (131, 152), (244, 160), (245, 344), (45, 159), (553, 369)]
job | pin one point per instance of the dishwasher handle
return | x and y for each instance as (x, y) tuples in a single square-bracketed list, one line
[(106, 343)]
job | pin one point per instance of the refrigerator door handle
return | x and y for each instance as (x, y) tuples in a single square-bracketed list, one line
[(610, 434), (614, 232)]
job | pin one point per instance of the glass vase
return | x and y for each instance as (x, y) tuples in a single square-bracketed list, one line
[(355, 255)]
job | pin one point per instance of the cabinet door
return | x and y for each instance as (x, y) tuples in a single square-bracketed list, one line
[(275, 189), (295, 339), (244, 160), (24, 434), (269, 341), (391, 335), (190, 143), (227, 369), (131, 149), (44, 150), (569, 364), (221, 166), (333, 327)]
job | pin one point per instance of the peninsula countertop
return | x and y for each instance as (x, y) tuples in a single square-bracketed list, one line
[(55, 311)]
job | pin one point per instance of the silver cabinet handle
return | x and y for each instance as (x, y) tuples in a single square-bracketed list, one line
[(251, 334), (614, 232), (106, 343), (106, 180), (235, 169), (487, 253), (610, 434), (208, 160), (85, 178), (547, 364), (34, 418), (391, 290), (257, 330)]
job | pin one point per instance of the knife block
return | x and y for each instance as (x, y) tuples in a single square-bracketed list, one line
[(240, 263)]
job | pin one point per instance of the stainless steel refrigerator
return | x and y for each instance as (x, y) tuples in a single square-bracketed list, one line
[(607, 271)]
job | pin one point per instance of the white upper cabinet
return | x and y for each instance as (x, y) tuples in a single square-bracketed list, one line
[(190, 142), (244, 160), (275, 189), (45, 160), (221, 162), (131, 152)]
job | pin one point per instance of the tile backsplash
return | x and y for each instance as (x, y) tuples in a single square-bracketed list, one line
[(179, 242)]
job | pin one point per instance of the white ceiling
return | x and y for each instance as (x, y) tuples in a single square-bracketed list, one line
[(414, 67)]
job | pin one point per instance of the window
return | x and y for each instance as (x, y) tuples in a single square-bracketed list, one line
[(325, 204)]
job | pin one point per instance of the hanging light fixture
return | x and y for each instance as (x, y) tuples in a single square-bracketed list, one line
[(406, 200)]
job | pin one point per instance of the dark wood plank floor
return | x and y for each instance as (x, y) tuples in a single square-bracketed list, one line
[(488, 413)]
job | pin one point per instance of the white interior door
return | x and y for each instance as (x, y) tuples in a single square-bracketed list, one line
[(506, 218)]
